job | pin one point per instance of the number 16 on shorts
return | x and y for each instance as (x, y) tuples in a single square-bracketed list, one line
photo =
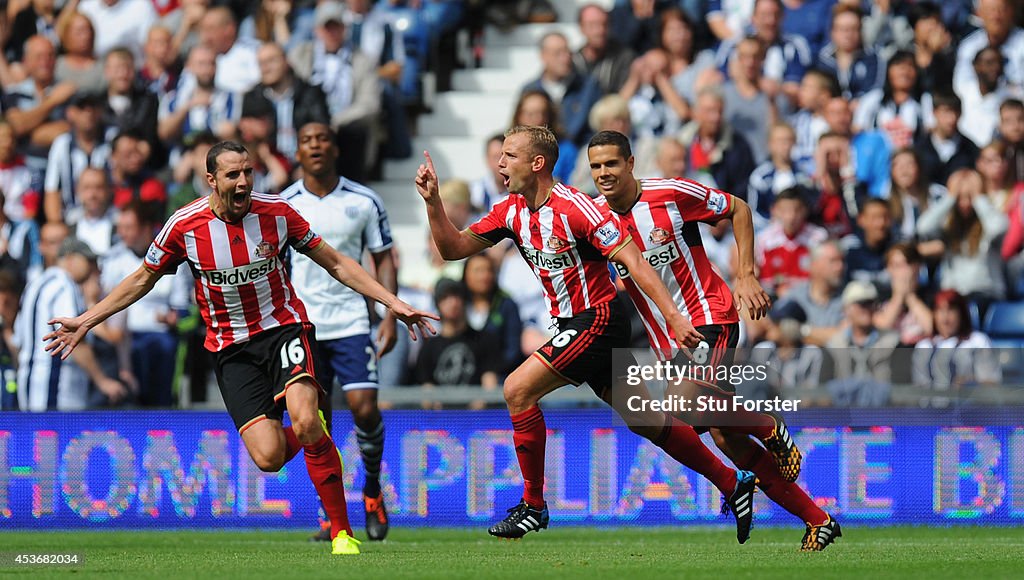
[(294, 357), (292, 353)]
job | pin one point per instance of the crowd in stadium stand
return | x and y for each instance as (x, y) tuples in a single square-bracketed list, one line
[(880, 144)]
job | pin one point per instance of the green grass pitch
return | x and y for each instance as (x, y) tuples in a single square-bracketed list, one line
[(622, 554)]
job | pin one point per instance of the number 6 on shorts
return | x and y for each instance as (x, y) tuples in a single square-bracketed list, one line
[(563, 338)]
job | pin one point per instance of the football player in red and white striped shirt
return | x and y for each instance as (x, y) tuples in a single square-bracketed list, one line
[(568, 240), (233, 240), (661, 215)]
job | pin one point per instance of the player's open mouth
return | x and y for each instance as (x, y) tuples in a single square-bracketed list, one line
[(504, 179), (239, 198)]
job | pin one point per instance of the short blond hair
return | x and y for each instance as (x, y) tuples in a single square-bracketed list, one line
[(608, 107), (782, 126), (454, 191), (542, 142)]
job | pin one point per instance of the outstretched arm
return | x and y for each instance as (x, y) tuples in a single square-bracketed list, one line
[(451, 243), (350, 273), (650, 284), (72, 330), (747, 290), (387, 275)]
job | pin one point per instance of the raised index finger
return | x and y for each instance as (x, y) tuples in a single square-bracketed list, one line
[(430, 162)]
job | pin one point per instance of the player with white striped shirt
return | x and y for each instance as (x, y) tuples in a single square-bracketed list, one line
[(350, 217)]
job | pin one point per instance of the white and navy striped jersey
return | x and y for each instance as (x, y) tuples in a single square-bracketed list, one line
[(767, 181), (66, 162), (900, 123), (942, 364), (171, 292), (224, 106), (785, 61), (46, 382), (809, 128), (352, 219)]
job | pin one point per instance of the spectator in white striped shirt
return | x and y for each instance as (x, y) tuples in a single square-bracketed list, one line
[(775, 175), (46, 382), (71, 153), (35, 106), (197, 104), (816, 89), (94, 219)]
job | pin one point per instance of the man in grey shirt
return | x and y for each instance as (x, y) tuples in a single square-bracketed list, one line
[(819, 297), (748, 109)]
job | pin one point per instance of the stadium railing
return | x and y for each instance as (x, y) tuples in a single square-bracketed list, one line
[(901, 395)]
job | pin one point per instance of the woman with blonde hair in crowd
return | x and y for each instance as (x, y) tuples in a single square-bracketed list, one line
[(611, 113)]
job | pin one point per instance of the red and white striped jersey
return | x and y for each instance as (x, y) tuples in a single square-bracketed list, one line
[(567, 241), (242, 287), (785, 259), (663, 224)]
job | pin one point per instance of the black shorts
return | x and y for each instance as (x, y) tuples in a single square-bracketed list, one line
[(254, 375), (718, 349), (581, 352)]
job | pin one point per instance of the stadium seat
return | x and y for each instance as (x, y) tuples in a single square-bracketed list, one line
[(1005, 320), (975, 311)]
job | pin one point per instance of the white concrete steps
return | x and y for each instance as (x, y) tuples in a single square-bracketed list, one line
[(524, 59), (403, 204), (454, 157), (567, 9), (488, 80), (411, 241), (458, 114), (530, 35), (481, 105)]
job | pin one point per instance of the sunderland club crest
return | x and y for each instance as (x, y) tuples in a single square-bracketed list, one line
[(265, 250), (659, 236), (557, 244)]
